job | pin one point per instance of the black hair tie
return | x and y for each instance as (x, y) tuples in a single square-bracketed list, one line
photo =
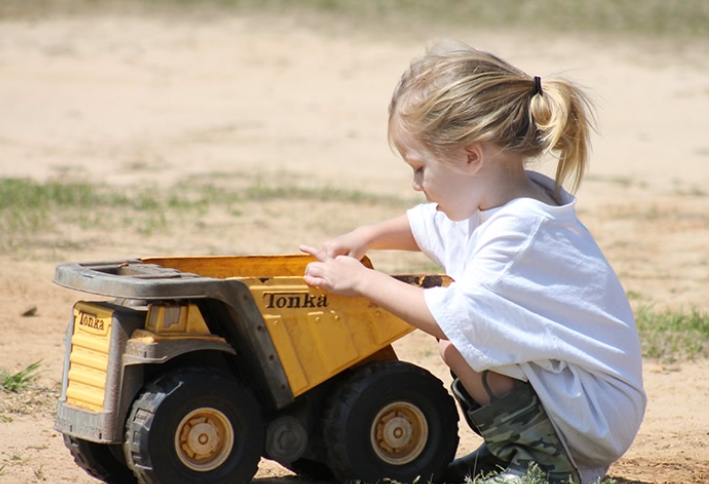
[(537, 86)]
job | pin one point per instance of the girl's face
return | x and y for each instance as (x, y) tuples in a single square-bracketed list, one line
[(443, 182)]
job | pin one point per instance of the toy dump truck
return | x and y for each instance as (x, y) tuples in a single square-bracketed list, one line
[(199, 366)]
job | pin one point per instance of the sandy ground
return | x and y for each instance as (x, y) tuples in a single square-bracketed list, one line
[(153, 100)]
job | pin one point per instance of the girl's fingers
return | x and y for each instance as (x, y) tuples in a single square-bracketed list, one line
[(319, 254), (307, 249), (312, 280), (314, 275)]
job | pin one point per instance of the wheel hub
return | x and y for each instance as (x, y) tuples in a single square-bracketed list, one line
[(204, 439), (399, 433), (396, 432)]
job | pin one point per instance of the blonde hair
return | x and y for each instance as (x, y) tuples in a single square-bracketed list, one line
[(456, 95)]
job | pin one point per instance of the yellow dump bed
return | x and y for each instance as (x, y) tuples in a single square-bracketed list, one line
[(316, 334)]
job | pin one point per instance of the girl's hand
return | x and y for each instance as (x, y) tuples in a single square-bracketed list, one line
[(341, 274), (346, 276), (352, 244)]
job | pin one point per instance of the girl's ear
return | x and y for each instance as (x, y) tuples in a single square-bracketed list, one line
[(474, 158)]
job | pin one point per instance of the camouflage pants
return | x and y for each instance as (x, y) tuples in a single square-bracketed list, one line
[(518, 431)]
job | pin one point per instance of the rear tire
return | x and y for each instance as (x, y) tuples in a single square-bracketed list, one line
[(195, 426), (391, 420), (102, 461)]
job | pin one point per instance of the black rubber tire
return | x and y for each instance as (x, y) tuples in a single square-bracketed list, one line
[(102, 461), (197, 407), (396, 399)]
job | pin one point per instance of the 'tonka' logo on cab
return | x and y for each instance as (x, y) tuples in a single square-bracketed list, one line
[(90, 321), (294, 300)]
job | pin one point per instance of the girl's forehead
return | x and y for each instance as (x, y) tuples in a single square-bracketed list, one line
[(404, 141), (412, 151), (401, 136)]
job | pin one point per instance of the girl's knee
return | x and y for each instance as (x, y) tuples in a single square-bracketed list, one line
[(453, 358), (448, 352)]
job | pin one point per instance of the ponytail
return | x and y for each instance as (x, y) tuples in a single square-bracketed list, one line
[(563, 117)]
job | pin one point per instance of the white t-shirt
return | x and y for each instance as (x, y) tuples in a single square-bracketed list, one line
[(534, 298)]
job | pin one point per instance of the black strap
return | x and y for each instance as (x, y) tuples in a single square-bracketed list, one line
[(487, 388)]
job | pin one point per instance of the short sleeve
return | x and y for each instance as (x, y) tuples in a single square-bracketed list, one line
[(424, 228)]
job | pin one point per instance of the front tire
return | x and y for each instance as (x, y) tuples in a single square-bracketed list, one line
[(102, 461), (194, 426), (391, 420)]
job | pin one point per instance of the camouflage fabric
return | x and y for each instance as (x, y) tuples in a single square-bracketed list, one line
[(517, 431), (466, 402), (480, 462)]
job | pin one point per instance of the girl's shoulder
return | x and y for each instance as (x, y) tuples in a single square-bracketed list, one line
[(525, 219), (528, 211)]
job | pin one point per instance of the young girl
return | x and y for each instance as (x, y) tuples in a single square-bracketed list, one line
[(536, 326)]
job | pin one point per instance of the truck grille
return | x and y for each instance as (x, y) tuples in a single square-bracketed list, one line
[(88, 361)]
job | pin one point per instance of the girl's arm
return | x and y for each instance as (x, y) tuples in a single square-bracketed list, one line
[(348, 277), (392, 234)]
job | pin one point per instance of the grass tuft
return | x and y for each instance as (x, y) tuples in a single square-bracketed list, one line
[(534, 475), (16, 382), (672, 336)]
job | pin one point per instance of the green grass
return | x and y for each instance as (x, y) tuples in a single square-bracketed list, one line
[(30, 210), (650, 18), (672, 336), (534, 476), (22, 394), (17, 382), (27, 205), (206, 192)]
